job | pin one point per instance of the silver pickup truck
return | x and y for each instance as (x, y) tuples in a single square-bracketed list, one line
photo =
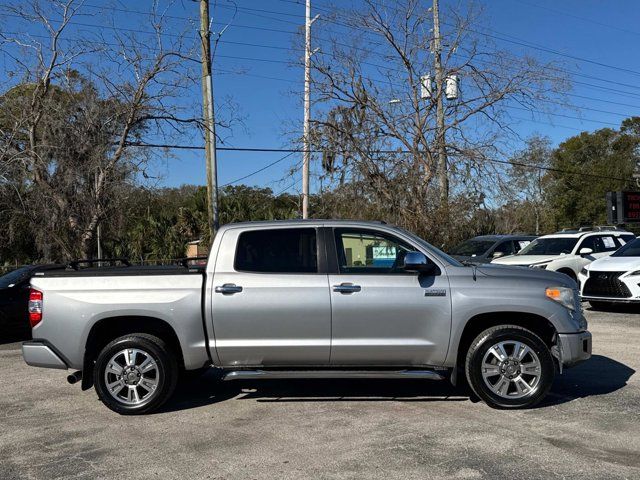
[(308, 299)]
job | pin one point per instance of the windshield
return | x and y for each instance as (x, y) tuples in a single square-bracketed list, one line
[(549, 246), (631, 249), (13, 277), (472, 248)]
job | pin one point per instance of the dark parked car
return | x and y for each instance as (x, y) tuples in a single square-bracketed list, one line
[(485, 248), (14, 297)]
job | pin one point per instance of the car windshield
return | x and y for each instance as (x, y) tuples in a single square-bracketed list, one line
[(472, 248), (13, 277), (549, 246), (630, 249)]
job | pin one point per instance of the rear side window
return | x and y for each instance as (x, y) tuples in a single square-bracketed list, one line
[(282, 250)]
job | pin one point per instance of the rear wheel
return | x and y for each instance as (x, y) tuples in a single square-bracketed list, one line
[(135, 374), (509, 367)]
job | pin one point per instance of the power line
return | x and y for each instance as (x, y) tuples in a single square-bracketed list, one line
[(259, 170), (385, 152)]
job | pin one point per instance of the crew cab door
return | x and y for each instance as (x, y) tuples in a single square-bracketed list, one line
[(270, 301), (381, 314)]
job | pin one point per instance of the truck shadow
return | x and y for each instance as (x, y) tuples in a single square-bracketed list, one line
[(599, 376)]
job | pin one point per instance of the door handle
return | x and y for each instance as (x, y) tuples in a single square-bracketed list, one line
[(347, 288), (228, 289)]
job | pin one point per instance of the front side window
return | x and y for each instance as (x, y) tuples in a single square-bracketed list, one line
[(361, 251), (592, 243), (282, 250)]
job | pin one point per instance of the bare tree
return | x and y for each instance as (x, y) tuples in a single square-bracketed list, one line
[(79, 107), (376, 127)]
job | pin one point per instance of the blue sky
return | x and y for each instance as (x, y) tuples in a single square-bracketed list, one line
[(602, 32)]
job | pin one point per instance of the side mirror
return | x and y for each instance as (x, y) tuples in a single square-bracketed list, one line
[(418, 262), (497, 254), (585, 251)]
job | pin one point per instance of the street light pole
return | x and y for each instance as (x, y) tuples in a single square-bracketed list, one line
[(209, 119)]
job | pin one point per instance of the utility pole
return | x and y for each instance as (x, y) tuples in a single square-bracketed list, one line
[(306, 154), (443, 177), (209, 119)]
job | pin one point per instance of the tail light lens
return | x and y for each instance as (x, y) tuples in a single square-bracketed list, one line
[(35, 307)]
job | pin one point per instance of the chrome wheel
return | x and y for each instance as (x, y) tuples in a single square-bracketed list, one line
[(131, 376), (511, 369)]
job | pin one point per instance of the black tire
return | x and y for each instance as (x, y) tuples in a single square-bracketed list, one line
[(509, 333), (164, 373)]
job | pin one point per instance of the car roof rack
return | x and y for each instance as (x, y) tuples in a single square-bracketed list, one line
[(75, 264), (597, 228)]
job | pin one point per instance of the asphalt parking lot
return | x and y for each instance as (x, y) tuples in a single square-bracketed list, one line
[(589, 427)]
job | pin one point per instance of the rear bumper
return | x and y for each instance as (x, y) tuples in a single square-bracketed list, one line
[(38, 354), (574, 347)]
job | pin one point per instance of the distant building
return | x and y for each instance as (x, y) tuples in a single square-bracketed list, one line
[(196, 249)]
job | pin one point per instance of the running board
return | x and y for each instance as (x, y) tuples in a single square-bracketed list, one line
[(311, 374)]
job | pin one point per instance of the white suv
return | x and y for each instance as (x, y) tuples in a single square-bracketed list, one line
[(614, 279), (568, 252)]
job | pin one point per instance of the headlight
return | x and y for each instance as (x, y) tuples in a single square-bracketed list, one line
[(584, 272), (637, 272), (563, 295), (543, 266)]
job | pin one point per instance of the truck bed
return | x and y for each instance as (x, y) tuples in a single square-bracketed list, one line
[(76, 301)]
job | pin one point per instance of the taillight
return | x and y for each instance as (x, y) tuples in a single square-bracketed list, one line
[(35, 307)]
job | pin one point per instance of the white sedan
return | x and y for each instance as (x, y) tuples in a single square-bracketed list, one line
[(613, 279)]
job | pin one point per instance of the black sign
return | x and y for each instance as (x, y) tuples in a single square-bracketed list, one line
[(623, 207)]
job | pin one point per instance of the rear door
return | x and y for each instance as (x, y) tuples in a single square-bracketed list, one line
[(271, 302), (382, 315)]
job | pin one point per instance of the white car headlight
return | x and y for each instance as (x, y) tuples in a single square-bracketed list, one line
[(563, 295), (637, 272), (539, 265)]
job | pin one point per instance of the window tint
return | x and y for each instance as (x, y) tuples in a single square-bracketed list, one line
[(506, 248), (624, 239), (549, 246), (520, 244), (283, 250), (630, 249), (472, 248), (592, 243), (361, 251)]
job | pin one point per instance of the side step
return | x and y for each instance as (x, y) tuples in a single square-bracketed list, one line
[(311, 374)]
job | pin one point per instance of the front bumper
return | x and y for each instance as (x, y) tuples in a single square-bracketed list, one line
[(38, 354), (574, 347)]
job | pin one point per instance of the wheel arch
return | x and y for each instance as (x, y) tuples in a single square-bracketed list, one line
[(538, 324), (110, 328)]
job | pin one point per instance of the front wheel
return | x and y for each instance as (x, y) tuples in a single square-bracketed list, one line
[(509, 367), (135, 374)]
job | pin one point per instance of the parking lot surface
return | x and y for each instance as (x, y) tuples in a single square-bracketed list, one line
[(588, 427)]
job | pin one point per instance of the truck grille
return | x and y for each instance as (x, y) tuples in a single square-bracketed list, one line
[(605, 284)]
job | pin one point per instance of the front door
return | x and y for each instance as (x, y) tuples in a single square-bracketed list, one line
[(271, 304), (382, 315)]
